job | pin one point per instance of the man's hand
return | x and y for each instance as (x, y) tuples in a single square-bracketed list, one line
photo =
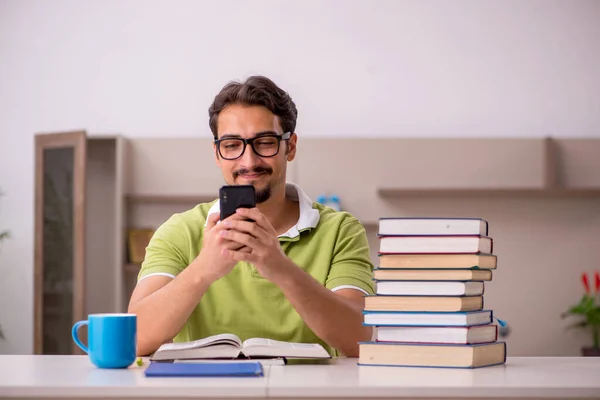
[(260, 238), (214, 246)]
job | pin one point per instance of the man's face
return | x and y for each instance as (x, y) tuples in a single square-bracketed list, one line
[(266, 174)]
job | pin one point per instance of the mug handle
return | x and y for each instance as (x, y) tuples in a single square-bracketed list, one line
[(76, 337)]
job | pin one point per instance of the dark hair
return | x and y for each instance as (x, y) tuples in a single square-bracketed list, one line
[(255, 91)]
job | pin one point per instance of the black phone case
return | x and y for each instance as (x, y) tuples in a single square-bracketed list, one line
[(235, 196)]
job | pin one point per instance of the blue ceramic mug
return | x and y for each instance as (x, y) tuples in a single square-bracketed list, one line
[(111, 339)]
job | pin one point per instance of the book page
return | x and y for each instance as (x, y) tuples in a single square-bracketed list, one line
[(222, 339), (256, 342), (276, 348)]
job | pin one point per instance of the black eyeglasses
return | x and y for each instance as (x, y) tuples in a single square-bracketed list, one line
[(265, 145)]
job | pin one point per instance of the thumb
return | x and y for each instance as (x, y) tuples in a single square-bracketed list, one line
[(212, 220)]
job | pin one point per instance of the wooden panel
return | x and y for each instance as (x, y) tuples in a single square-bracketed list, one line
[(496, 193), (579, 163), (172, 167), (460, 163), (359, 170), (120, 225), (169, 198), (343, 167), (101, 213)]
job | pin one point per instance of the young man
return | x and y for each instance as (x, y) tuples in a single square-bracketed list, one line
[(298, 273)]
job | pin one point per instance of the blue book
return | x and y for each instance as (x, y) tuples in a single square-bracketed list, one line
[(246, 369), (419, 318)]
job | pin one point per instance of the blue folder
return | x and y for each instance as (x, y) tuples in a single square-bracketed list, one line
[(158, 369)]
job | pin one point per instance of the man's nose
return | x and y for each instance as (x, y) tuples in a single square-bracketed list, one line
[(249, 158)]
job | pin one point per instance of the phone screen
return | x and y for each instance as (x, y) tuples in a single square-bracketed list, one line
[(232, 197)]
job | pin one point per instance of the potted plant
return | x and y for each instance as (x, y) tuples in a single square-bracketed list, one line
[(588, 310)]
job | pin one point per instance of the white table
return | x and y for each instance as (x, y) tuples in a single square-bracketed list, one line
[(75, 377)]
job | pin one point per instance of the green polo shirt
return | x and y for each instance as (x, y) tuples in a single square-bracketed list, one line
[(329, 245)]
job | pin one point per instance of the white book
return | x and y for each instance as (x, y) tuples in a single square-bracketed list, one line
[(435, 244), (465, 318), (230, 346), (427, 288), (438, 334), (433, 226)]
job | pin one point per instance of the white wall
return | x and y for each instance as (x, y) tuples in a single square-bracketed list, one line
[(354, 68)]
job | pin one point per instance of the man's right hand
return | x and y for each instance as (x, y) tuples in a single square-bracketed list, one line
[(210, 260)]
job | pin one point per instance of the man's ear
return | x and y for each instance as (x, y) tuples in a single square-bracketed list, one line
[(291, 147)]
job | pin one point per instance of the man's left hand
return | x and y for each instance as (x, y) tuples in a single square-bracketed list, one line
[(260, 237)]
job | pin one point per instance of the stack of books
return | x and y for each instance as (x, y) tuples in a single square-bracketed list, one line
[(428, 310)]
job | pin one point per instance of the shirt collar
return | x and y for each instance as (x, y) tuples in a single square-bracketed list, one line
[(309, 217)]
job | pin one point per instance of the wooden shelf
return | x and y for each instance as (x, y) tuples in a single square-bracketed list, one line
[(564, 192), (166, 199)]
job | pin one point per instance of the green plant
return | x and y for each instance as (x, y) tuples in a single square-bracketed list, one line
[(588, 309)]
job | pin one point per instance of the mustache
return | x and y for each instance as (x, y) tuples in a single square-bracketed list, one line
[(255, 170)]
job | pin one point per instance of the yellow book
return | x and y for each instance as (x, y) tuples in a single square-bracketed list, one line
[(438, 261), (389, 274), (423, 303)]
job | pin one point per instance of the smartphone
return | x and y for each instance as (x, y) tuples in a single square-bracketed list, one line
[(232, 197)]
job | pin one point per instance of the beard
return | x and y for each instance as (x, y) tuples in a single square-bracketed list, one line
[(262, 194)]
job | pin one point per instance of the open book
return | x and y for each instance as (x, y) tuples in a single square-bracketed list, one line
[(230, 346)]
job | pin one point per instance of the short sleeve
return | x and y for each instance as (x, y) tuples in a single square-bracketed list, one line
[(351, 263), (164, 255)]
